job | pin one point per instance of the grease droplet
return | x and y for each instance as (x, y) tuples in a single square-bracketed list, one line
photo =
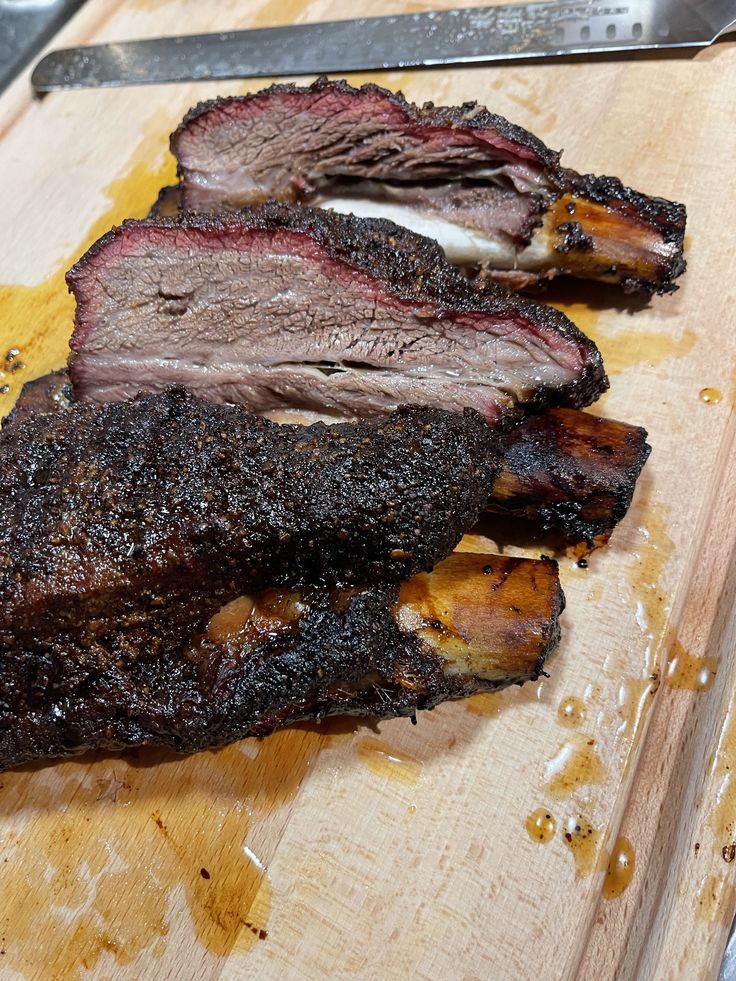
[(487, 704), (571, 711), (412, 808), (541, 825), (620, 869), (491, 704), (711, 396)]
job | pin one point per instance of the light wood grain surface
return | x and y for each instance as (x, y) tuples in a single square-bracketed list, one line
[(374, 852)]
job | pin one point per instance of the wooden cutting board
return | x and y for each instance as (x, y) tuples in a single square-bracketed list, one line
[(391, 850)]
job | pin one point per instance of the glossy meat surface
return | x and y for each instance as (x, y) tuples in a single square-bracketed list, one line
[(571, 471)]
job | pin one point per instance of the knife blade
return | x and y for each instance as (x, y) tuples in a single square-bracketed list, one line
[(436, 37)]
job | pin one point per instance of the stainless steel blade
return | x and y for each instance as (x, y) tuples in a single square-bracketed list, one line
[(442, 37)]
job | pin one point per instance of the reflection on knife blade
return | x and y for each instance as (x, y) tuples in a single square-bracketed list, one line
[(458, 36)]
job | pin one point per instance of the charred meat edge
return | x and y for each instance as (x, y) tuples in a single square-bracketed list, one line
[(590, 226), (128, 526), (571, 471), (476, 623), (43, 396), (565, 469)]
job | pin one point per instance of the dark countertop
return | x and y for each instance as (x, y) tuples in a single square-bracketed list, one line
[(25, 27)]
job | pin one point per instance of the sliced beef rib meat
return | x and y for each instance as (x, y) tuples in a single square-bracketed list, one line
[(280, 305), (489, 192)]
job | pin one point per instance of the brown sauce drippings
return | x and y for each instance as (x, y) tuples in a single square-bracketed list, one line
[(541, 825), (584, 841), (382, 759), (620, 869), (575, 765), (691, 673)]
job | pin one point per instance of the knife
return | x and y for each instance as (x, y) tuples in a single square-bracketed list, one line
[(436, 37)]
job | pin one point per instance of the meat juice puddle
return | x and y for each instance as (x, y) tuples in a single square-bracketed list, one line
[(577, 764), (572, 768), (635, 695), (569, 775), (649, 549), (717, 893), (722, 818), (492, 704), (651, 553), (716, 900), (621, 347), (688, 672), (144, 854), (118, 846), (580, 764), (585, 843), (382, 759)]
